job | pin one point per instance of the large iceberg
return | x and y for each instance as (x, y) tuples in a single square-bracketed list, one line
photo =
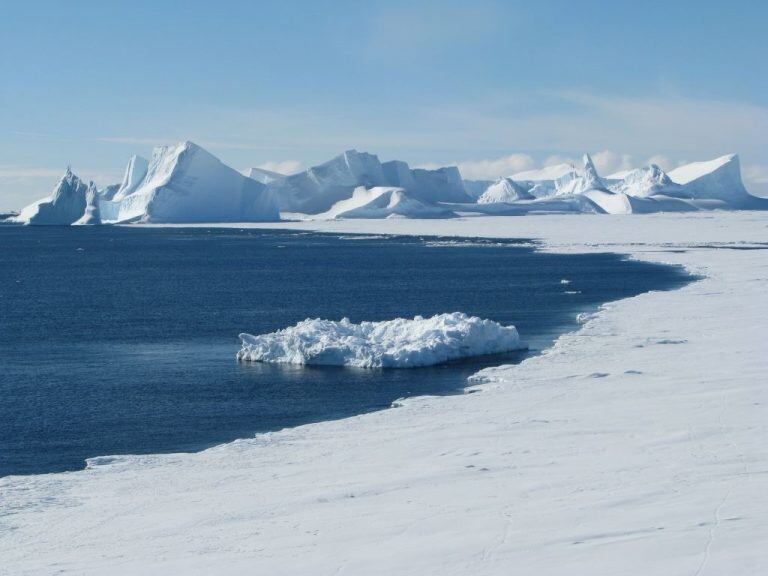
[(718, 179), (384, 202), (184, 184), (399, 343), (65, 205), (317, 189)]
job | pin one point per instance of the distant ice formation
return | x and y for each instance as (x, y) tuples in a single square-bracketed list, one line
[(384, 202), (186, 184), (317, 189), (180, 184), (504, 190), (399, 343), (65, 205)]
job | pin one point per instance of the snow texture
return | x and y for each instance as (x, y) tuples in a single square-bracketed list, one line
[(399, 343), (614, 452), (384, 202)]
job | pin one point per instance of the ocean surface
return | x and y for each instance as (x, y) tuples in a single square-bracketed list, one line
[(122, 340)]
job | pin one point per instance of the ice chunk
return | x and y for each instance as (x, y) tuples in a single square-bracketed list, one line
[(399, 343)]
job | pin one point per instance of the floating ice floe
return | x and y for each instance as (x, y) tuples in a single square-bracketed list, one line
[(399, 343)]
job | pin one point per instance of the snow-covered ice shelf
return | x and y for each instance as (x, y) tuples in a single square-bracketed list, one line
[(398, 343)]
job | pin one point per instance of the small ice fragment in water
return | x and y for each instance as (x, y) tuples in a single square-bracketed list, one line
[(399, 343)]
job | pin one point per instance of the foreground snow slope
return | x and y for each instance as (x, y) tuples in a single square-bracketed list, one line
[(634, 446)]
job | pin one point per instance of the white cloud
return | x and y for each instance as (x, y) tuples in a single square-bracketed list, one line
[(662, 162), (608, 162), (282, 166)]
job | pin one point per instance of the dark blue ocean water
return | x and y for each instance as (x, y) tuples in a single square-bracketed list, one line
[(123, 340)]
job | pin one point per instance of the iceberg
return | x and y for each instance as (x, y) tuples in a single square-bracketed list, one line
[(92, 215), (718, 179), (63, 207), (384, 202), (399, 343), (184, 184), (644, 182), (317, 189), (504, 190)]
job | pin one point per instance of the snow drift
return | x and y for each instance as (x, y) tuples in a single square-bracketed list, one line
[(399, 343), (384, 202)]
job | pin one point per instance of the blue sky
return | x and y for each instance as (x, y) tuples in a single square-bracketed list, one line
[(491, 86)]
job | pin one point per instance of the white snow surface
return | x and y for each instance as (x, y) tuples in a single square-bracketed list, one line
[(384, 202), (634, 446), (398, 343)]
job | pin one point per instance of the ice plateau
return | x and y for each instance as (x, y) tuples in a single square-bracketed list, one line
[(399, 343)]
